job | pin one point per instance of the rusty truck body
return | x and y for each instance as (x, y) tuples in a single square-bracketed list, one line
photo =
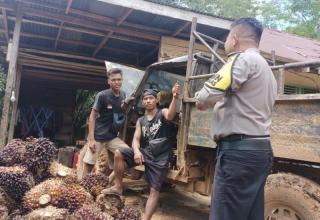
[(293, 187)]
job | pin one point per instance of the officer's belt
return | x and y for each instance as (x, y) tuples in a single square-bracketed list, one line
[(252, 143)]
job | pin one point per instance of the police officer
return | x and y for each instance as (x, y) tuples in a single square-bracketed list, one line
[(242, 94)]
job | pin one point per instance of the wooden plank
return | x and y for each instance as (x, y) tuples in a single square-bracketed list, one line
[(10, 78), (299, 97), (102, 43), (185, 121), (61, 25), (124, 16), (280, 76), (84, 22), (148, 55), (13, 119), (208, 47), (171, 47), (91, 24), (68, 6), (5, 24), (92, 32), (181, 28), (102, 18), (172, 12), (106, 38), (58, 35), (62, 55)]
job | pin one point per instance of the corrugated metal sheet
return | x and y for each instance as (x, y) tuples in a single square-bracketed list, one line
[(289, 46), (126, 49), (39, 29), (78, 36)]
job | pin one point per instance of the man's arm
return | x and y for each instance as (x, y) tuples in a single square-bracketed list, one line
[(207, 97), (138, 157), (92, 122), (169, 113), (229, 78), (91, 126)]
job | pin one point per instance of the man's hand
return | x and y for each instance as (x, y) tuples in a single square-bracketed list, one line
[(128, 101), (92, 145), (138, 157), (176, 90)]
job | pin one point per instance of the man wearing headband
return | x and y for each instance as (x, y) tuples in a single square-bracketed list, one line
[(152, 145)]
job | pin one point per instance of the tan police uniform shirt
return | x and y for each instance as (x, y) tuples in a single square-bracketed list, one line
[(243, 93)]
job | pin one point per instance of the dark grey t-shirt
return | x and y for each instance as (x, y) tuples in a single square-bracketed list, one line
[(106, 104)]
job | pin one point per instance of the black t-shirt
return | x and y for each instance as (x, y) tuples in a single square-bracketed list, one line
[(106, 103), (159, 128)]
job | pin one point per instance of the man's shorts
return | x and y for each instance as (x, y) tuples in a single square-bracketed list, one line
[(155, 172), (111, 146)]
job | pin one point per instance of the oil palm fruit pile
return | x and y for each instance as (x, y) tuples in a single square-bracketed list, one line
[(49, 212), (45, 193), (95, 183), (13, 153), (128, 213), (111, 204), (34, 186), (39, 154), (15, 181), (58, 170), (89, 212), (57, 193), (74, 197)]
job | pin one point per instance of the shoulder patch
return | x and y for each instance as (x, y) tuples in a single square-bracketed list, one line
[(222, 80)]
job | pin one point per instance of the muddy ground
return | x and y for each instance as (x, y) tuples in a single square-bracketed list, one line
[(174, 204)]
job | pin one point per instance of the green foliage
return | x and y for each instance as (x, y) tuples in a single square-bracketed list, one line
[(226, 8), (84, 103), (301, 17)]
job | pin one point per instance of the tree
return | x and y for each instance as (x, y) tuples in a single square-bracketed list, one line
[(226, 8), (301, 17)]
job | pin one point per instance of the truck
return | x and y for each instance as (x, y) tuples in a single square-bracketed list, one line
[(292, 189)]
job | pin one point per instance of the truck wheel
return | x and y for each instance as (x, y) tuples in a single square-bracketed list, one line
[(291, 197)]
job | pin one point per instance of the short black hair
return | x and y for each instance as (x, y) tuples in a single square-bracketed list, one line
[(114, 71), (253, 24)]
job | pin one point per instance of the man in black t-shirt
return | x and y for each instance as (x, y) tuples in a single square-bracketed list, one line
[(105, 121), (154, 126)]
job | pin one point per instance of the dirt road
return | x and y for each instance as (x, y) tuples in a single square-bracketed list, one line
[(174, 204)]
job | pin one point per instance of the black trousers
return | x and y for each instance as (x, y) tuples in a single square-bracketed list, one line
[(240, 174)]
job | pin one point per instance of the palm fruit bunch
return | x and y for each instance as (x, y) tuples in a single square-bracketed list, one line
[(94, 183), (89, 212), (128, 213), (39, 154), (6, 201), (41, 175), (16, 215), (13, 153), (43, 194), (49, 212), (15, 181), (73, 197), (111, 203), (4, 212), (65, 173)]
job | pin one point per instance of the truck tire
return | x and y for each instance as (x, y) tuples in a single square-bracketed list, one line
[(291, 197)]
